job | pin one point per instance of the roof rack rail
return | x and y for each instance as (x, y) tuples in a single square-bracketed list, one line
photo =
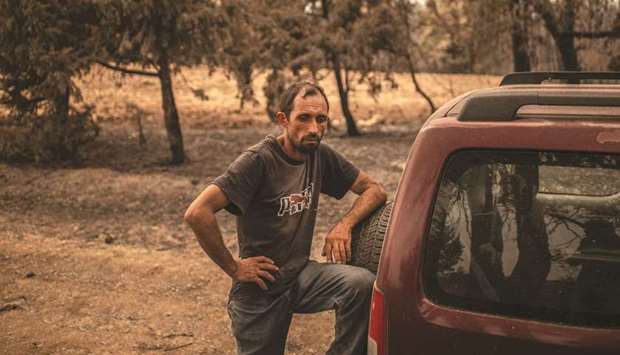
[(571, 77), (502, 105)]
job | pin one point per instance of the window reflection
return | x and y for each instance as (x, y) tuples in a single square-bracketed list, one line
[(528, 234)]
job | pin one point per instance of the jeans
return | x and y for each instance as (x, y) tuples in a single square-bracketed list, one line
[(260, 323)]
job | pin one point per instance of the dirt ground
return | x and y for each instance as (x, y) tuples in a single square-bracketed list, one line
[(96, 258)]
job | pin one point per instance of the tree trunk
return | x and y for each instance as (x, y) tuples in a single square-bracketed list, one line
[(61, 103), (534, 261), (487, 244), (343, 92), (428, 99), (171, 116), (568, 52), (275, 85), (564, 41), (520, 57), (59, 141)]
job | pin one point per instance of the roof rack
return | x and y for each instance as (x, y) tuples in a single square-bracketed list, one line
[(571, 77), (503, 104)]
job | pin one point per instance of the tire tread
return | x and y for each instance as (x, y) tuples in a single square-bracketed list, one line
[(368, 238)]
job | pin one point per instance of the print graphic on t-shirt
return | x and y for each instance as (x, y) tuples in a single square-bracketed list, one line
[(296, 203)]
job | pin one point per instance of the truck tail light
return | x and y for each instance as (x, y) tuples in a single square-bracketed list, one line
[(377, 327)]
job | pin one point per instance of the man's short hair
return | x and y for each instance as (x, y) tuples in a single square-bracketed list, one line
[(309, 89)]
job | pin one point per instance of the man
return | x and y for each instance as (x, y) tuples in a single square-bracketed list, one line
[(273, 188)]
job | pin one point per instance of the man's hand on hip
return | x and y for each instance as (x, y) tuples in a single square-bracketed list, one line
[(255, 269), (337, 246)]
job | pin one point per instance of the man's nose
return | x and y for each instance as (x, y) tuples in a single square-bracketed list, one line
[(315, 127)]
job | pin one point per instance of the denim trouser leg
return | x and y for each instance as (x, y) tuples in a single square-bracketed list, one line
[(345, 288), (260, 324)]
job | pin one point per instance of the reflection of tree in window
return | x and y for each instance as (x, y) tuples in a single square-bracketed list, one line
[(534, 261), (444, 248), (498, 243)]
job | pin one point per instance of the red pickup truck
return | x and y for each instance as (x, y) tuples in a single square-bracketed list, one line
[(503, 237)]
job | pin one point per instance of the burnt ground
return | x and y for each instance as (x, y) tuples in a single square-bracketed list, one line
[(95, 258)]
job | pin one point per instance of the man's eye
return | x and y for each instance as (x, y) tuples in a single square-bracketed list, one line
[(321, 119)]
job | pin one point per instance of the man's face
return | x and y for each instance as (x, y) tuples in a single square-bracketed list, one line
[(307, 122)]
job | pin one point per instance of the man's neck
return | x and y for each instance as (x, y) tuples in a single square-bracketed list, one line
[(290, 150)]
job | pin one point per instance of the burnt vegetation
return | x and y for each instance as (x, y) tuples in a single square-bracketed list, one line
[(46, 47)]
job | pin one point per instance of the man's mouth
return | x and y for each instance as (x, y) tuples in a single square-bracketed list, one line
[(311, 139)]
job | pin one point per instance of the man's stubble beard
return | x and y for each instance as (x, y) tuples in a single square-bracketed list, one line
[(298, 146)]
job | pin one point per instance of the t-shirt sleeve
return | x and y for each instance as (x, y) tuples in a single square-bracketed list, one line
[(339, 174), (241, 180)]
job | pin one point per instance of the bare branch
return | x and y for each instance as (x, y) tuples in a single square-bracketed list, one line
[(593, 35), (127, 71), (546, 11)]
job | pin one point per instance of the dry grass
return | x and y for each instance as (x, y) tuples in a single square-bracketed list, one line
[(118, 97), (96, 259)]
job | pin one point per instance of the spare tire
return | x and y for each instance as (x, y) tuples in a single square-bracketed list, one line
[(368, 237)]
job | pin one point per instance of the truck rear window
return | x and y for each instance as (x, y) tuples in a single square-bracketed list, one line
[(531, 235)]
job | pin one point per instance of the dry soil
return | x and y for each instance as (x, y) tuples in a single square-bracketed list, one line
[(95, 258)]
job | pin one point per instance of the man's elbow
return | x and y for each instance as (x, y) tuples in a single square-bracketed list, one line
[(190, 215), (380, 193), (194, 214), (383, 194)]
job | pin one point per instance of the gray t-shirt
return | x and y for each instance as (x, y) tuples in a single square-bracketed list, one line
[(275, 199)]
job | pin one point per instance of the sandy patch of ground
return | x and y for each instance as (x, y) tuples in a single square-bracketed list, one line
[(96, 259)]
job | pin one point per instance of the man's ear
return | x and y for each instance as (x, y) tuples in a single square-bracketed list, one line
[(282, 119)]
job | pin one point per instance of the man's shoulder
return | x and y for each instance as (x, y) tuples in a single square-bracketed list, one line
[(253, 157), (263, 149), (328, 152), (325, 148)]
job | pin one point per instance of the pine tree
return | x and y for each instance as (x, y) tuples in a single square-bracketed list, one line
[(159, 37), (44, 46)]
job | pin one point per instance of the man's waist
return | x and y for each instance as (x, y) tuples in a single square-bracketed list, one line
[(284, 278)]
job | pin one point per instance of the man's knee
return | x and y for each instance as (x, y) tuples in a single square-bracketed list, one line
[(360, 280)]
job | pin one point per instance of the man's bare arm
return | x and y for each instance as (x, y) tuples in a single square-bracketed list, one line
[(200, 216), (338, 241)]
